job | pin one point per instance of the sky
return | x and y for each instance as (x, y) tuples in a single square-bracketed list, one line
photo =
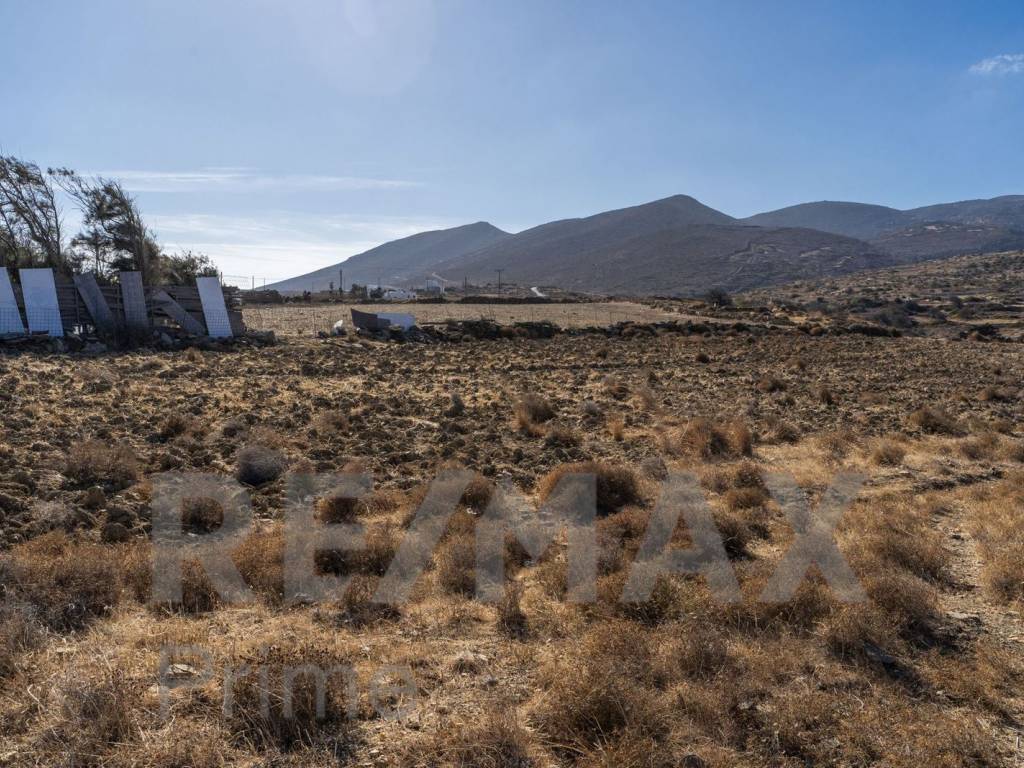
[(280, 137)]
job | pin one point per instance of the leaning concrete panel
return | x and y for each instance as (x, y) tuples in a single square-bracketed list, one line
[(41, 307), (10, 316), (162, 300), (218, 324), (133, 296), (94, 301)]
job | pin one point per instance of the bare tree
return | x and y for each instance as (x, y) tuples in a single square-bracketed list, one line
[(30, 221)]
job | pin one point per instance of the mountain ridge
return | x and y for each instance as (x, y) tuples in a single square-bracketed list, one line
[(679, 245)]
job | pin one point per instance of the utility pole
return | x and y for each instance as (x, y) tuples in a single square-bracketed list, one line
[(341, 280), (465, 285), (499, 271)]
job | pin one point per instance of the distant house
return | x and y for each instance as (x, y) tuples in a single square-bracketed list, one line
[(398, 294), (433, 287)]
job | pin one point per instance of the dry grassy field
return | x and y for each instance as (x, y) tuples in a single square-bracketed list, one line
[(926, 672), (310, 319)]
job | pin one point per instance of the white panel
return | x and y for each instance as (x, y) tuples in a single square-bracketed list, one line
[(10, 317), (41, 308), (214, 310)]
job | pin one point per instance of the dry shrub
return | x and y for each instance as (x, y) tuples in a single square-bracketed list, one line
[(910, 603), (617, 485), (175, 425), (260, 718), (616, 388), (512, 620), (981, 447), (531, 410), (746, 498), (662, 605), (735, 531), (696, 652), (380, 502), (836, 444), (934, 421), (497, 739), (646, 397), (19, 632), (94, 714), (852, 630), (66, 582), (456, 565), (331, 423), (561, 436), (824, 395), (890, 531), (770, 384), (357, 606), (1013, 451), (985, 676), (200, 515), (478, 493), (781, 431), (703, 439), (258, 465), (887, 453), (616, 427), (337, 508), (602, 690), (260, 561), (702, 358), (381, 546), (999, 527), (94, 462)]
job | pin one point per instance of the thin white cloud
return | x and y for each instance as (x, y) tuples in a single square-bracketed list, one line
[(1003, 64), (280, 245), (245, 179)]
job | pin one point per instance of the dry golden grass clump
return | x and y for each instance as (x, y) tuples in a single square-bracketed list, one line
[(531, 411), (68, 582), (894, 531), (94, 462), (617, 485), (289, 707), (998, 524), (93, 715), (603, 692), (935, 421), (980, 447), (497, 739), (704, 439), (887, 452), (175, 425)]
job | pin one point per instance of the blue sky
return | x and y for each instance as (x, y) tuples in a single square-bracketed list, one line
[(283, 136)]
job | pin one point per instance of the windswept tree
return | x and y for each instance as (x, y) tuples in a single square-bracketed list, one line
[(30, 219), (183, 268), (114, 236)]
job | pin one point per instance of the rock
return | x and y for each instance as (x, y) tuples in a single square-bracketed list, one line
[(114, 533), (95, 348), (94, 498), (693, 761)]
